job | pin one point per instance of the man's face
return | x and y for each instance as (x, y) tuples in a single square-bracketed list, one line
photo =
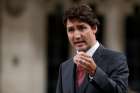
[(81, 35)]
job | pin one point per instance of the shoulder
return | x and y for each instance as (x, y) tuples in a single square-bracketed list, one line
[(114, 55), (67, 63), (114, 58), (109, 54), (67, 67), (112, 52)]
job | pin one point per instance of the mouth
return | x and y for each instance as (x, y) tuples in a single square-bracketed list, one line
[(79, 43)]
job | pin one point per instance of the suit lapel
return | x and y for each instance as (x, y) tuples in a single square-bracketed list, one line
[(98, 54), (71, 76)]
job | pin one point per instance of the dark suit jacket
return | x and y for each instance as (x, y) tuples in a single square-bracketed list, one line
[(111, 74)]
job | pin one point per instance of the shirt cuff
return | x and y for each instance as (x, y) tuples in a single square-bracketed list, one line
[(90, 77)]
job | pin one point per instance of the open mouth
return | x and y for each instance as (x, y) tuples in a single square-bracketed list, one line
[(79, 43)]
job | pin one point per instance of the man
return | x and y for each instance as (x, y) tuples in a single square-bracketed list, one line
[(94, 69)]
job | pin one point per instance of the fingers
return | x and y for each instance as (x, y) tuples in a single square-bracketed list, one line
[(84, 54), (85, 61), (82, 59)]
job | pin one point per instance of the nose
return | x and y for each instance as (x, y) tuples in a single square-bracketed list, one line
[(77, 34)]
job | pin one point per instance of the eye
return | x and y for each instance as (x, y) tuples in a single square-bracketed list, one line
[(82, 28), (70, 29)]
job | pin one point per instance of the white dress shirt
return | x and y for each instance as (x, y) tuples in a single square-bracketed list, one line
[(92, 50)]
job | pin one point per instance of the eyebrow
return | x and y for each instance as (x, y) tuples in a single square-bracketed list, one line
[(82, 24)]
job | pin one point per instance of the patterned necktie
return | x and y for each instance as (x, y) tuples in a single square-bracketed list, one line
[(80, 75)]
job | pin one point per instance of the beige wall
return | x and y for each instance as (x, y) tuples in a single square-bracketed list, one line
[(22, 51)]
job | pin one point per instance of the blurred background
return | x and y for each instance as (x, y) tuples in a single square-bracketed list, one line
[(33, 41)]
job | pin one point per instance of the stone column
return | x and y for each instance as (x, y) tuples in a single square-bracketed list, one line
[(23, 49), (0, 42), (114, 37), (114, 12)]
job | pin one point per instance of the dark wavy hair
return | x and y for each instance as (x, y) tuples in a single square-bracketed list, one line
[(81, 12)]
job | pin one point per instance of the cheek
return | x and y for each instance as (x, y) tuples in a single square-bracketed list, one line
[(88, 37), (70, 37)]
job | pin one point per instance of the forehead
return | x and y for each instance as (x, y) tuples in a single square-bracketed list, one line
[(74, 22)]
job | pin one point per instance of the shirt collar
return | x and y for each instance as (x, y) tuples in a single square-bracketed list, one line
[(92, 50)]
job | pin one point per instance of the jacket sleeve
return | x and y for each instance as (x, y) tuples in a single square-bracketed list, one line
[(59, 82), (116, 81)]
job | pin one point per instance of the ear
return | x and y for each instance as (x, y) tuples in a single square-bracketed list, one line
[(94, 28)]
